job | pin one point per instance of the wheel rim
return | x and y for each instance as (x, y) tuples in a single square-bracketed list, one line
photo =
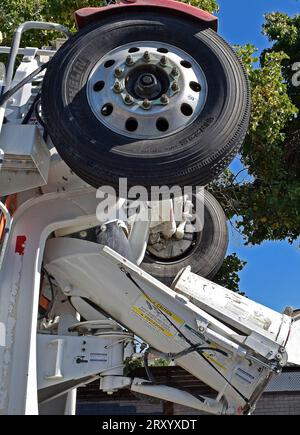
[(171, 250), (147, 90)]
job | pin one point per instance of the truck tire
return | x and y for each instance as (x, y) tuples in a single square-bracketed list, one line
[(178, 116), (206, 252)]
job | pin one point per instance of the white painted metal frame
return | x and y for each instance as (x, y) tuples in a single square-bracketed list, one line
[(33, 222), (14, 51), (7, 226), (125, 292)]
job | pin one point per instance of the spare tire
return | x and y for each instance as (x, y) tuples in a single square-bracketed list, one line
[(148, 97), (204, 251)]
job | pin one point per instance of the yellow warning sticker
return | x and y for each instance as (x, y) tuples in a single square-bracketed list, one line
[(153, 313), (153, 322), (212, 355), (214, 361), (166, 311)]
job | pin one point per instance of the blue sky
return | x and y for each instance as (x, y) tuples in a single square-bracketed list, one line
[(271, 276), (240, 22)]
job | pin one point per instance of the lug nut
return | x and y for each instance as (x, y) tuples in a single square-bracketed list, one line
[(175, 72), (146, 104), (118, 86), (164, 99), (163, 61), (118, 72), (128, 99), (146, 56), (175, 87), (129, 60)]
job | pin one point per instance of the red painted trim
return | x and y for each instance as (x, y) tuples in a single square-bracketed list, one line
[(85, 16), (20, 245)]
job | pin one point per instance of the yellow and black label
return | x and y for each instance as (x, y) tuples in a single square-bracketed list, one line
[(169, 313), (149, 319), (156, 315)]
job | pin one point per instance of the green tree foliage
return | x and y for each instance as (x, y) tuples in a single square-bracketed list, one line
[(228, 275), (266, 206), (15, 12), (207, 5), (284, 32)]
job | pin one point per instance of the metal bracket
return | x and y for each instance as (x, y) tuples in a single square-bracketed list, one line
[(266, 348), (57, 347), (27, 158), (29, 25), (30, 54), (178, 396), (202, 325)]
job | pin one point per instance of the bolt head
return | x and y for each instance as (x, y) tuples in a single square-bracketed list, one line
[(175, 72), (129, 60), (128, 99), (146, 104), (175, 87), (147, 56), (164, 99), (147, 80), (117, 86), (163, 61), (118, 72)]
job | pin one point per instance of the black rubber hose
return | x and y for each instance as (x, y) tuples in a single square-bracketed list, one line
[(37, 115), (46, 274), (147, 368), (7, 95), (31, 110)]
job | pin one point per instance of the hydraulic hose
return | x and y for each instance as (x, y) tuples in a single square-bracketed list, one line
[(7, 95)]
